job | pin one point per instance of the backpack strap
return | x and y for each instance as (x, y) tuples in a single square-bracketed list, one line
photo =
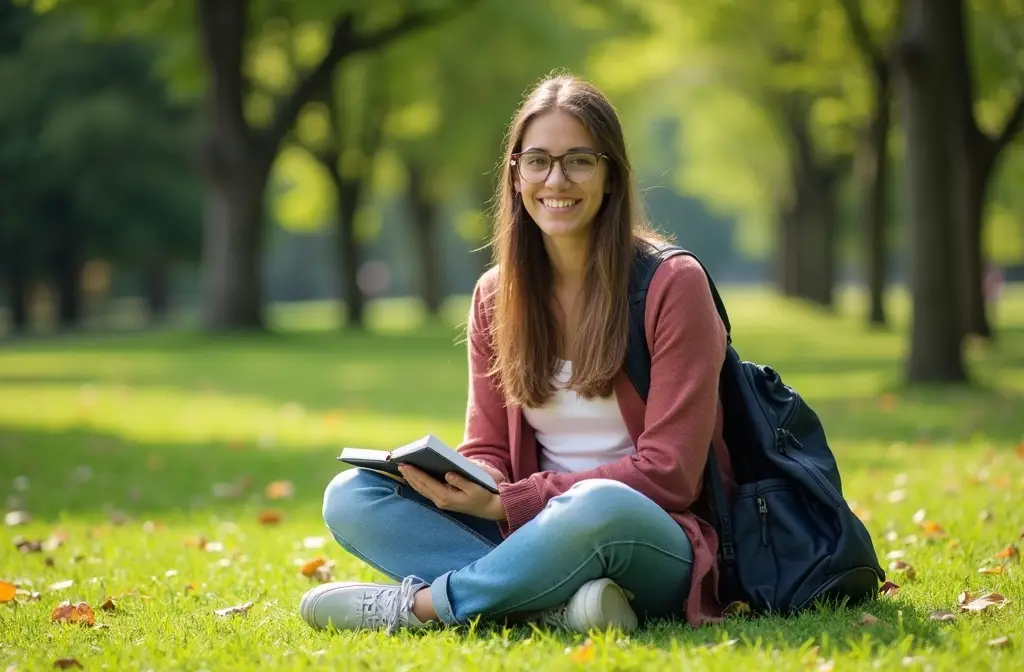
[(638, 368)]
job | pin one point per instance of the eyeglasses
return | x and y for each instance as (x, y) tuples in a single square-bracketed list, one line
[(534, 166)]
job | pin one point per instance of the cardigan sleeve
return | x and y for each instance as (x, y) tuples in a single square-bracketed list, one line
[(486, 431), (687, 341)]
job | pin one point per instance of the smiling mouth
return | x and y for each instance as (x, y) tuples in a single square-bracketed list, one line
[(559, 203)]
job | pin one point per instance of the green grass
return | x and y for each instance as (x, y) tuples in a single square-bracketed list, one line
[(124, 438)]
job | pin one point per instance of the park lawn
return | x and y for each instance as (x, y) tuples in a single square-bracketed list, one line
[(133, 447)]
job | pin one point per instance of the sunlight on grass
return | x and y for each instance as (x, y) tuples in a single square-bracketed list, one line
[(131, 447)]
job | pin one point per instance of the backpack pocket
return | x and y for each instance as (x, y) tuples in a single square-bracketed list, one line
[(783, 548)]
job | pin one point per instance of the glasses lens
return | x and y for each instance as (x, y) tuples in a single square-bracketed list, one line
[(534, 166), (580, 167)]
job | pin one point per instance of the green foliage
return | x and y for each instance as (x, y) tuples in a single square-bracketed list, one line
[(91, 127)]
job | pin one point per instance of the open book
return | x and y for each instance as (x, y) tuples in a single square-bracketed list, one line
[(429, 454)]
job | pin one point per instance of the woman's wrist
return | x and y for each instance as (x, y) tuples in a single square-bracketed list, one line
[(496, 509)]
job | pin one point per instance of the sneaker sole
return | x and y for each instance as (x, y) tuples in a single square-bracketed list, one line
[(307, 605), (604, 604)]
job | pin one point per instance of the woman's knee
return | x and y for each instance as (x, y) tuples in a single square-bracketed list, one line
[(594, 505), (348, 499)]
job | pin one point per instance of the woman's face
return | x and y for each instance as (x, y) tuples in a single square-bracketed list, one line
[(561, 207)]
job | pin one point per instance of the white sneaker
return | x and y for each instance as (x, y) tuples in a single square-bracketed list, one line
[(350, 605), (597, 605)]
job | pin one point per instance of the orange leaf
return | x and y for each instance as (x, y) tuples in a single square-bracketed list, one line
[(7, 591), (67, 663), (310, 567), (932, 529), (889, 589), (66, 612), (992, 569), (108, 605), (1020, 450), (1010, 552), (583, 653), (270, 517), (280, 490)]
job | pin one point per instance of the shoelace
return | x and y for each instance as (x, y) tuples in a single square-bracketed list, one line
[(390, 606), (557, 617)]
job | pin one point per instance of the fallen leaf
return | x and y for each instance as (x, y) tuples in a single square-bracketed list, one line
[(999, 642), (983, 602), (313, 542), (898, 554), (324, 574), (67, 663), (827, 666), (62, 585), (196, 542), (108, 605), (1020, 450), (7, 591), (964, 597), (280, 490), (932, 529), (919, 516), (992, 569), (15, 518), (236, 609), (30, 595), (214, 547), (270, 517), (1009, 553), (986, 516), (897, 496), (737, 608), (905, 568), (583, 653), (310, 567), (79, 612), (28, 545), (171, 573), (889, 589), (868, 619), (941, 615)]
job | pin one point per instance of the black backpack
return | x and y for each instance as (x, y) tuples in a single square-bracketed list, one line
[(788, 539)]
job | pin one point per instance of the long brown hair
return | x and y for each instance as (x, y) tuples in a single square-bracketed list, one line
[(524, 330)]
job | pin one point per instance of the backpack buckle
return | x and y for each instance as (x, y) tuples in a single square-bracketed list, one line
[(728, 552)]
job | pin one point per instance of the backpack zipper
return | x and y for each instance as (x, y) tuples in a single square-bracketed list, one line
[(762, 510)]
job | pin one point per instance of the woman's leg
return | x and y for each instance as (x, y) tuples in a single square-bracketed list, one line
[(597, 529), (399, 532)]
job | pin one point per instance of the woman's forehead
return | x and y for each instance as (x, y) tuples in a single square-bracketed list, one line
[(557, 132)]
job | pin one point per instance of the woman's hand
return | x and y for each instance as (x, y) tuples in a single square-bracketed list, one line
[(495, 474), (456, 493)]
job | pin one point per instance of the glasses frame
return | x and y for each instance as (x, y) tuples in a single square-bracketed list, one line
[(518, 166)]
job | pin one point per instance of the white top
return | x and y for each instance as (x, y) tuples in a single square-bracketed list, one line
[(577, 434)]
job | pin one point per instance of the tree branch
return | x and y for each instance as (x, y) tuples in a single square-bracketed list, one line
[(1011, 127), (861, 35), (346, 41)]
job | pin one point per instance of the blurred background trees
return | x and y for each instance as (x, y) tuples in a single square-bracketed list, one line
[(215, 157)]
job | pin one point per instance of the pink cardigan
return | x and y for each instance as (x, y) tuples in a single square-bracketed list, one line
[(671, 433)]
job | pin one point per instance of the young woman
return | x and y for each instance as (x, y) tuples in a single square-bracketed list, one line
[(599, 520)]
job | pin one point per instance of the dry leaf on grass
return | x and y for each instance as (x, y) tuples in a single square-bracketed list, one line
[(992, 569), (969, 602), (905, 568), (868, 619), (280, 490), (999, 642), (79, 612), (889, 589), (313, 543), (583, 653), (67, 664), (108, 605), (28, 545), (932, 529), (1009, 553), (309, 568), (941, 615), (737, 608), (270, 517), (7, 591), (62, 585), (15, 518), (236, 609)]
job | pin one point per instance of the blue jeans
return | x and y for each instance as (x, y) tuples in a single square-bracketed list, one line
[(598, 528)]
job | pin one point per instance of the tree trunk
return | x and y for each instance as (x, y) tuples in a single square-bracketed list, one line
[(974, 185), (935, 344), (788, 257), (347, 252), (16, 280), (874, 180), (424, 220), (817, 265), (156, 284)]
